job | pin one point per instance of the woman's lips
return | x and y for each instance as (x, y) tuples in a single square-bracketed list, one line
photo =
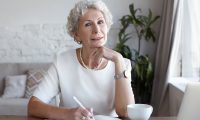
[(98, 38)]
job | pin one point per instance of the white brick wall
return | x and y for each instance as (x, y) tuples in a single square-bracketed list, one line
[(37, 42)]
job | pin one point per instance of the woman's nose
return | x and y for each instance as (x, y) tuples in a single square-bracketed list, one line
[(96, 28)]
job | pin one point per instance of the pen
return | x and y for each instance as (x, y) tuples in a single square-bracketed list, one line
[(81, 105)]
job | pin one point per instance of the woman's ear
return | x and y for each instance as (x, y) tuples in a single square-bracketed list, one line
[(76, 36)]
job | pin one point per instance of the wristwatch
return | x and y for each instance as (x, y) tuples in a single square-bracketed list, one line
[(124, 74)]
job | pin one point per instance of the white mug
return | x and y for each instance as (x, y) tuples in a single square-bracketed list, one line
[(139, 111)]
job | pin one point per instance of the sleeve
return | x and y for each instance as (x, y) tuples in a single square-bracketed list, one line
[(128, 64), (128, 67), (49, 87)]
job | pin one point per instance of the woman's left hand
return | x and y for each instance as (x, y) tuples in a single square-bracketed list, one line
[(106, 53)]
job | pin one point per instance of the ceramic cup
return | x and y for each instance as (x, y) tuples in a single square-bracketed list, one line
[(139, 111)]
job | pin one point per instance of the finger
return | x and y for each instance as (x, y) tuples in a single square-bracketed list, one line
[(103, 52), (97, 61), (86, 113), (95, 58), (93, 52), (92, 57), (77, 113), (83, 118), (98, 57), (91, 111), (109, 54)]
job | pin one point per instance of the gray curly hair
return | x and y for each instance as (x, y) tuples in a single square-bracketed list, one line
[(79, 10)]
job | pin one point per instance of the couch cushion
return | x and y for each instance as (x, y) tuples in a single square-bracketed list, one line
[(34, 77), (17, 69), (16, 106), (14, 86), (5, 70)]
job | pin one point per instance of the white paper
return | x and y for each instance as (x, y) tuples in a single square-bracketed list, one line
[(103, 117)]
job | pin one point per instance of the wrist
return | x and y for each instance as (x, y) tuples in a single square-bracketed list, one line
[(122, 75), (119, 66), (65, 113), (117, 58)]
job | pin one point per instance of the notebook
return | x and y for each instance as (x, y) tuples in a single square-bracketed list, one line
[(190, 106), (100, 117), (103, 117)]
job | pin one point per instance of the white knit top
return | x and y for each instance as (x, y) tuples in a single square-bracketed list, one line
[(95, 89)]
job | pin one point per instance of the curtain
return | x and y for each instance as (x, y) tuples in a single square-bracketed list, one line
[(190, 48), (166, 41)]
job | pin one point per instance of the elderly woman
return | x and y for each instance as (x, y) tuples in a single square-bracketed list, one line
[(98, 76)]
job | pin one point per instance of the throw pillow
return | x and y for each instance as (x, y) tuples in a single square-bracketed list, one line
[(34, 77), (14, 86)]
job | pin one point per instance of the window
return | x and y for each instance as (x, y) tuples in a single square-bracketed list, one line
[(186, 52), (189, 52)]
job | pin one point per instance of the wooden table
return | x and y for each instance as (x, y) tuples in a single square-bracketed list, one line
[(163, 118), (12, 117)]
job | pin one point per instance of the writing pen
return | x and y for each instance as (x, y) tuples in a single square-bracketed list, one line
[(81, 105)]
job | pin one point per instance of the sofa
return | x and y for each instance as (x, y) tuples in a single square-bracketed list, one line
[(15, 103)]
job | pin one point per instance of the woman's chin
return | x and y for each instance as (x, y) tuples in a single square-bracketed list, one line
[(99, 44)]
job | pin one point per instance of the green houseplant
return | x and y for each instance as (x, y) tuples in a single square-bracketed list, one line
[(142, 72)]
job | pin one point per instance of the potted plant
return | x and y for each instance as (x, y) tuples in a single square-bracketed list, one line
[(142, 72)]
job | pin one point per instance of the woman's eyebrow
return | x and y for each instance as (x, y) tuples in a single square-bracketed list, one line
[(87, 20), (100, 18), (91, 20)]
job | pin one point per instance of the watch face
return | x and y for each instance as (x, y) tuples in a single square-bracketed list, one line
[(127, 74)]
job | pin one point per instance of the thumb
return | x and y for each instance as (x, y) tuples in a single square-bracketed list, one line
[(91, 110)]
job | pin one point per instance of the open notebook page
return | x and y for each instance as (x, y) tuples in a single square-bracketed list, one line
[(103, 117)]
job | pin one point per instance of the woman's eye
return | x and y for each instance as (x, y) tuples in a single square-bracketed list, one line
[(100, 22), (87, 24)]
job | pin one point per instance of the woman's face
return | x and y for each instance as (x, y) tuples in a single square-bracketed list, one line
[(92, 29)]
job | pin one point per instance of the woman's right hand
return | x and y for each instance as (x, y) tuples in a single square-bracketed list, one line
[(37, 108), (79, 114)]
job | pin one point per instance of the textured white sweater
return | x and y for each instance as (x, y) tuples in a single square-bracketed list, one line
[(95, 89)]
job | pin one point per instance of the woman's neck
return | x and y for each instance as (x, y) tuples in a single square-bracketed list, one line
[(84, 57), (86, 52)]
